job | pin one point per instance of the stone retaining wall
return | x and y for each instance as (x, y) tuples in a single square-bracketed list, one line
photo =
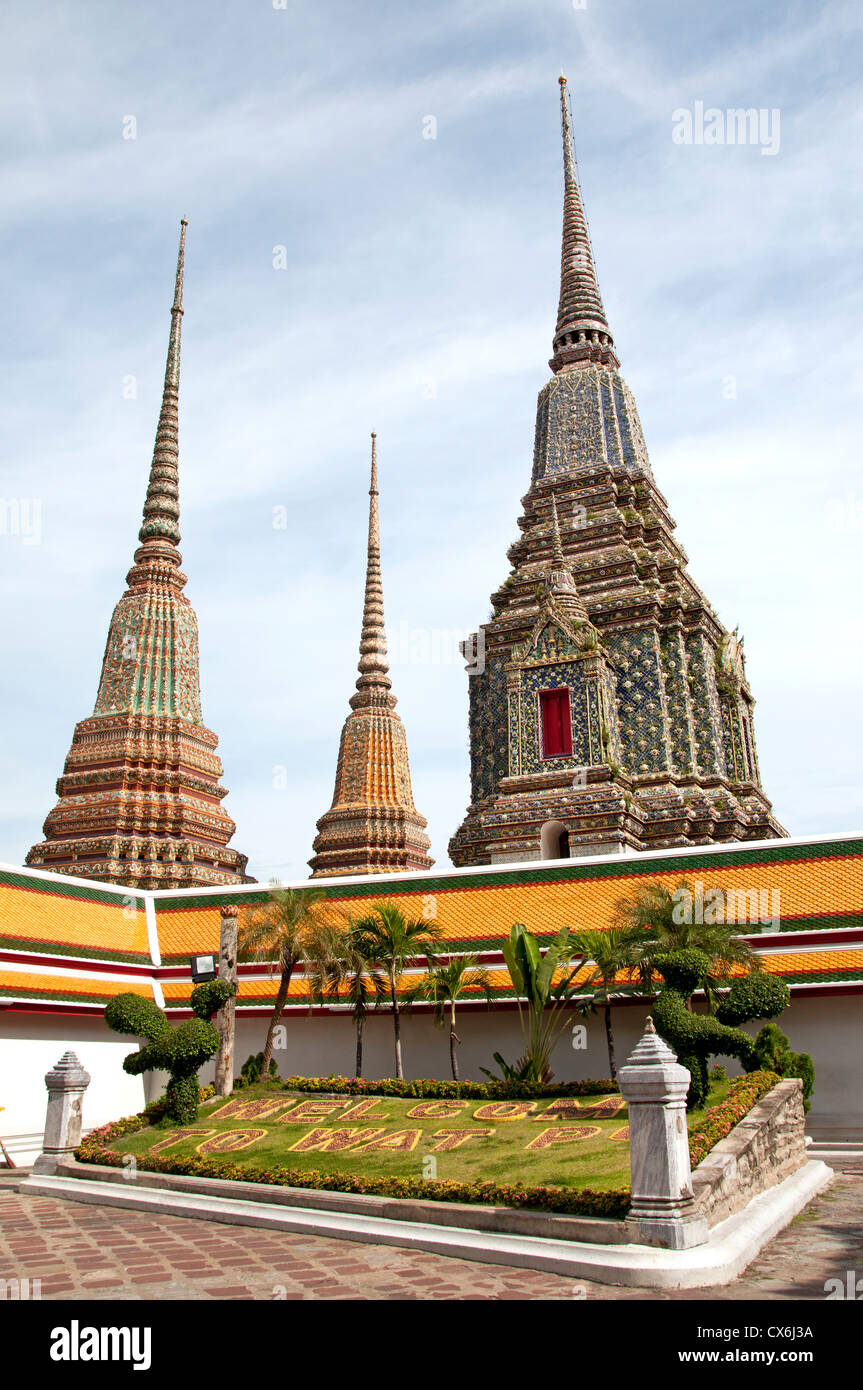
[(764, 1148)]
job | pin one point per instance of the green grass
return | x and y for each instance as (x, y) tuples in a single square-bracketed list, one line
[(596, 1160)]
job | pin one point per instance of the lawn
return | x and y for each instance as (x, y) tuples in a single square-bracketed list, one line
[(563, 1143)]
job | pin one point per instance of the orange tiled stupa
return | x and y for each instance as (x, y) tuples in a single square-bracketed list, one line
[(139, 798), (372, 826)]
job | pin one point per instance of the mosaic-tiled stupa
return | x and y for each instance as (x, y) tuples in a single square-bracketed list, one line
[(140, 797), (609, 707), (372, 826)]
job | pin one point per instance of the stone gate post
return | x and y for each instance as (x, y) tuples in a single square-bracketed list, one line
[(654, 1086), (67, 1081)]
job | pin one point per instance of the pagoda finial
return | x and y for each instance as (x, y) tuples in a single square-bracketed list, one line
[(373, 682), (582, 333), (160, 532), (555, 533)]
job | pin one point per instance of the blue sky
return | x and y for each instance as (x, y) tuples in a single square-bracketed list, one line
[(419, 300)]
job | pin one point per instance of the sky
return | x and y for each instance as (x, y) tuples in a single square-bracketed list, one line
[(374, 200)]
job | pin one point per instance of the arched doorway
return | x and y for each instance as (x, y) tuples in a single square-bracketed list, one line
[(554, 840)]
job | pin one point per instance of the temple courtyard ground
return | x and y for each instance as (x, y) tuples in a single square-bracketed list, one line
[(82, 1252)]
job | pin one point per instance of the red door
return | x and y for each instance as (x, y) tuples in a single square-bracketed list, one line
[(556, 723)]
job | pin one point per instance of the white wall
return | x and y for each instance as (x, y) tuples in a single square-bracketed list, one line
[(319, 1045), (30, 1044), (830, 1029)]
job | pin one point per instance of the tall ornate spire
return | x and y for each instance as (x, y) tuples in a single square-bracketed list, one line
[(582, 333), (606, 704), (372, 826), (373, 682), (157, 555), (557, 548), (139, 798)]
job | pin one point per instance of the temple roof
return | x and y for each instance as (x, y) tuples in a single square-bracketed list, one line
[(70, 944)]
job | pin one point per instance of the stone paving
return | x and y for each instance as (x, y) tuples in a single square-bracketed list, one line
[(88, 1252)]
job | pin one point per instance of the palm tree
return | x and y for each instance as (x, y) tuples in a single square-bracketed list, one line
[(342, 970), (618, 951), (282, 931), (443, 984), (393, 940), (657, 909)]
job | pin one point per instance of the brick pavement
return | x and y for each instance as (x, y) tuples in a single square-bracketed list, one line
[(88, 1252)]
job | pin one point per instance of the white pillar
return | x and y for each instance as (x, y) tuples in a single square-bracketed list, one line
[(654, 1086), (66, 1083)]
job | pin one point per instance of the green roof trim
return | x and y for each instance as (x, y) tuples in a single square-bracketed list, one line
[(504, 992), (59, 886), (71, 996), (51, 948), (627, 866)]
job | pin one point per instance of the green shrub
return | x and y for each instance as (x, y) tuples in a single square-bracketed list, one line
[(754, 996), (179, 1051), (431, 1089), (772, 1050), (694, 1037), (250, 1071)]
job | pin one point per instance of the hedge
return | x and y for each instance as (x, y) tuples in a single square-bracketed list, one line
[(430, 1089), (719, 1121)]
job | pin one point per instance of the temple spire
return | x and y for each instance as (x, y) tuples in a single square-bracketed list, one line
[(160, 532), (139, 800), (582, 333), (372, 826), (557, 548), (559, 580), (373, 682)]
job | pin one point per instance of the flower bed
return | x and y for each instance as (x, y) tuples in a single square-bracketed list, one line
[(430, 1089), (96, 1148), (719, 1121), (715, 1124)]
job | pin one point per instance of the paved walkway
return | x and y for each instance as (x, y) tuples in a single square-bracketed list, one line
[(87, 1252)]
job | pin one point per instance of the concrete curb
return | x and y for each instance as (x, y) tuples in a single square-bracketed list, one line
[(731, 1246), (479, 1216)]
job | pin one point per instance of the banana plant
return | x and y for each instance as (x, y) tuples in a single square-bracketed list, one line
[(541, 1001)]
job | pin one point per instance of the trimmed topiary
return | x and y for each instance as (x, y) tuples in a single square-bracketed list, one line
[(179, 1051), (754, 996), (694, 1037)]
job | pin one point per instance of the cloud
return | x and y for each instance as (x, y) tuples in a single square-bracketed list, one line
[(418, 298)]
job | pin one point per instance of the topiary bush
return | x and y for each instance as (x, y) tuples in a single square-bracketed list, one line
[(695, 1037), (754, 996), (179, 1051)]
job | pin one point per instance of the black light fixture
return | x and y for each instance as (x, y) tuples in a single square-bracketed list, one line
[(203, 968)]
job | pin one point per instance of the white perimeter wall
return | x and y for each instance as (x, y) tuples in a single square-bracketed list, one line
[(30, 1044), (831, 1029)]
